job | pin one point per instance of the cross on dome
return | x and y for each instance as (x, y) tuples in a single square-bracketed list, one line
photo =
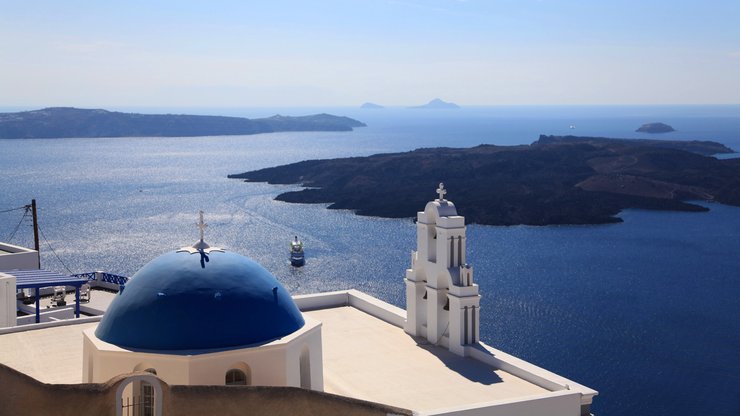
[(201, 225), (441, 191), (201, 246)]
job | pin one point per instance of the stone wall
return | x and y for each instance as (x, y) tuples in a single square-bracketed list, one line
[(277, 401), (23, 395)]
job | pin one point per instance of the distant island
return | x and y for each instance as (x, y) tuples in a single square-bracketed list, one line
[(64, 122), (702, 147), (655, 128), (437, 104), (371, 106), (555, 180)]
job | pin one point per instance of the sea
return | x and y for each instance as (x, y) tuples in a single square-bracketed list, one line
[(646, 311)]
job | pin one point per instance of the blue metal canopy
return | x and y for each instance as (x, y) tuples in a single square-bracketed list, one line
[(36, 279), (29, 279)]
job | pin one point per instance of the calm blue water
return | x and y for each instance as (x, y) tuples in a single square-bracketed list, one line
[(645, 311)]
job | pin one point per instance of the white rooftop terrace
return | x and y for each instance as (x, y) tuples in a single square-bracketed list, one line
[(366, 355), (369, 359), (51, 354)]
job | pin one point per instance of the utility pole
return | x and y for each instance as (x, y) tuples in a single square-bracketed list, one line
[(36, 231)]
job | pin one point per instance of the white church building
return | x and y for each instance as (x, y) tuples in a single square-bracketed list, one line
[(205, 316)]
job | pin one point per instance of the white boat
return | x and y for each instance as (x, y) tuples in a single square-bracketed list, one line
[(297, 258)]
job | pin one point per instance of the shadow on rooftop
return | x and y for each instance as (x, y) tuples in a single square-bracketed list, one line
[(473, 370)]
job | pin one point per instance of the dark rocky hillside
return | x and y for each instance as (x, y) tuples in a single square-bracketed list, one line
[(702, 147), (555, 180)]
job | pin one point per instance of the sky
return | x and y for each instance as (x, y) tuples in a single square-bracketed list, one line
[(346, 52)]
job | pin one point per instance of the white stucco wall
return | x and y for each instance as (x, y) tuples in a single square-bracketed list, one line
[(553, 404), (273, 364), (17, 257), (7, 300)]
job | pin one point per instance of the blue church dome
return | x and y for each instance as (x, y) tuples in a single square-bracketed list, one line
[(190, 300)]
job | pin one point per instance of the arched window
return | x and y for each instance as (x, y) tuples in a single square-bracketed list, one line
[(452, 251), (235, 377), (459, 251), (145, 406), (432, 243)]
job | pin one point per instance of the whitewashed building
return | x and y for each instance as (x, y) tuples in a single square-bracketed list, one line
[(205, 316)]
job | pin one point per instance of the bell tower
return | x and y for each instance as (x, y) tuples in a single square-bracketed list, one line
[(442, 302)]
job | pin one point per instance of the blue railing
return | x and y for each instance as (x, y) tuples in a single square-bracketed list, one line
[(114, 278), (88, 276), (104, 277)]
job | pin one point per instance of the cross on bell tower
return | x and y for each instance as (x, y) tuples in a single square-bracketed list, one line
[(441, 191)]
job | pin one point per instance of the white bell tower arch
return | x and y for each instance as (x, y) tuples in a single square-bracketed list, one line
[(442, 301)]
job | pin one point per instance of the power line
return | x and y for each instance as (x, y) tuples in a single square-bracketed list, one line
[(55, 253), (14, 209), (15, 230)]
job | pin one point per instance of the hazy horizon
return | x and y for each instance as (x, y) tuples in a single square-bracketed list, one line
[(411, 106), (334, 53)]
